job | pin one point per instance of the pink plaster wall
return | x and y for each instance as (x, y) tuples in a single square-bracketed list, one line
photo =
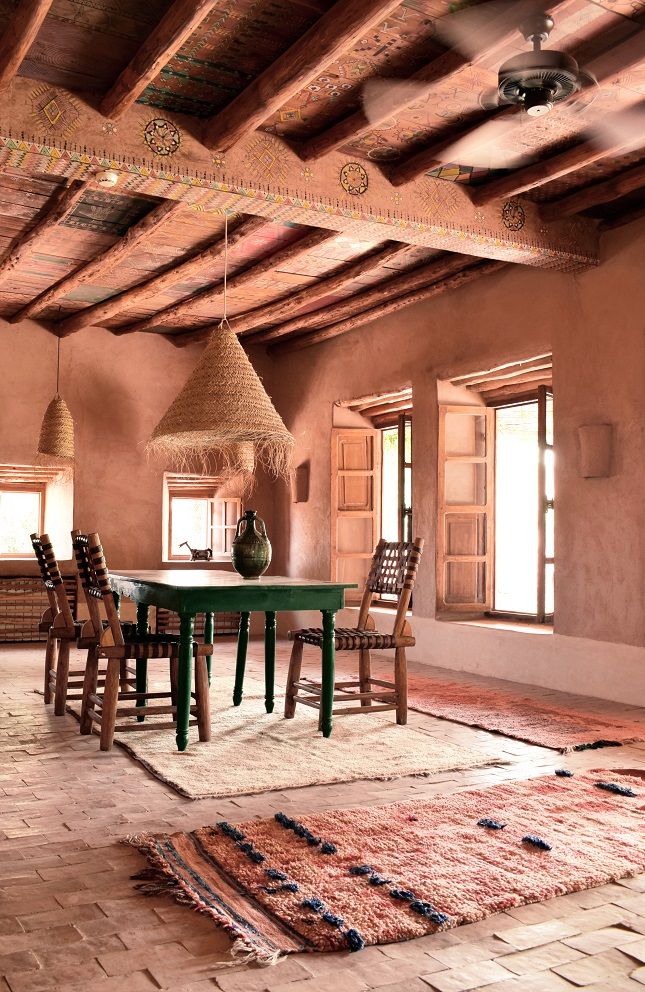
[(594, 324)]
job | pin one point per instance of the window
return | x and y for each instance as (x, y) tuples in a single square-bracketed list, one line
[(396, 484), (198, 517), (22, 512), (495, 524)]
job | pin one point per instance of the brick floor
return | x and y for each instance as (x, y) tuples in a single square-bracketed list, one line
[(71, 920)]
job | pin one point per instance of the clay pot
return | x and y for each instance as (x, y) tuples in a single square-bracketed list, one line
[(251, 551)]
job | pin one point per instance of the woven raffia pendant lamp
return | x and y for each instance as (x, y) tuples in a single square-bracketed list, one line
[(223, 422), (56, 441)]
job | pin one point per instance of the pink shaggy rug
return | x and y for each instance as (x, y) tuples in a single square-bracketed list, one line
[(347, 878), (520, 717)]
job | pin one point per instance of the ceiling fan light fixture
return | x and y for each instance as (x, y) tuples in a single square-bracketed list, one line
[(538, 101)]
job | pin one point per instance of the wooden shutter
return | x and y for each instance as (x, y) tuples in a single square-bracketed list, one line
[(355, 504), (465, 509)]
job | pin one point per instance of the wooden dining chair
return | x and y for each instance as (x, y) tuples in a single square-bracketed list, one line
[(120, 642), (393, 572), (63, 631)]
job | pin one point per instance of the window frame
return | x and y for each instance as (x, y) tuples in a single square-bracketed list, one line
[(40, 488), (203, 491)]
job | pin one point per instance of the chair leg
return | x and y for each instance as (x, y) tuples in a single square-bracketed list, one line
[(110, 702), (401, 684), (364, 674), (202, 698), (295, 665), (62, 676), (89, 688), (50, 665)]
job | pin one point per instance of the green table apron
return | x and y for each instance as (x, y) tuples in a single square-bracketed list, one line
[(191, 591)]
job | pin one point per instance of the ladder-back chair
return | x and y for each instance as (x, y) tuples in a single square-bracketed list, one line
[(393, 572), (120, 642), (62, 629)]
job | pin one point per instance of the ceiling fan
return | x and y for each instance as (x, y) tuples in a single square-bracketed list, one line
[(530, 86)]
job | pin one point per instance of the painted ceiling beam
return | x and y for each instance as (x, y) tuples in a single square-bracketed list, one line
[(100, 266), (446, 66), (337, 31), (263, 176), (386, 309), (187, 268), (175, 27), (186, 308), (59, 206), (398, 283), (19, 35), (293, 301), (596, 194), (571, 160)]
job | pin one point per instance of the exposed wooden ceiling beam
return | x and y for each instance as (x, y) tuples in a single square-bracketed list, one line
[(473, 382), (595, 194), (513, 393), (556, 166), (185, 269), (397, 285), (520, 365), (333, 34), (403, 396), (444, 67), (179, 311), (489, 384), (19, 35), (386, 309), (385, 408), (103, 263), (56, 210), (272, 312), (175, 27), (627, 217)]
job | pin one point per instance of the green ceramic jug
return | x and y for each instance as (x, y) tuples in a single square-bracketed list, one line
[(251, 551)]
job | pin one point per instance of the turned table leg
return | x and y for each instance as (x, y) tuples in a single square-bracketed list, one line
[(240, 666), (269, 660), (186, 631), (141, 665), (328, 653), (209, 634)]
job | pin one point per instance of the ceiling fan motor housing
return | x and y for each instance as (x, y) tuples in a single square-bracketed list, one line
[(538, 80)]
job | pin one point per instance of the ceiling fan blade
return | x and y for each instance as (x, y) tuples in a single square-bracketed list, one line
[(624, 130), (489, 99), (486, 147), (474, 30), (383, 98)]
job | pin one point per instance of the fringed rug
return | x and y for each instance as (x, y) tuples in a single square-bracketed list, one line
[(343, 879), (520, 717), (253, 751)]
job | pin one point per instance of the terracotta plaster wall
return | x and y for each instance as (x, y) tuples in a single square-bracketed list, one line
[(116, 389), (594, 324)]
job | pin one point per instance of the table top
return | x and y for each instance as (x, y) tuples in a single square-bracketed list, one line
[(205, 578)]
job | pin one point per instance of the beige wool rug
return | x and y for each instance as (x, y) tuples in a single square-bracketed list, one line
[(252, 751)]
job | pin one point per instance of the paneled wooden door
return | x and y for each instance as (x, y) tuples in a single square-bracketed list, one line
[(355, 504)]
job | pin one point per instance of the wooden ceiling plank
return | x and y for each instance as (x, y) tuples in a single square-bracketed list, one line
[(386, 309), (513, 393), (522, 364), (57, 209), (595, 194), (549, 169), (384, 408), (486, 385), (175, 27), (403, 396), (338, 30), (627, 217), (185, 269), (19, 35), (395, 286), (284, 255), (510, 373), (282, 307), (106, 261)]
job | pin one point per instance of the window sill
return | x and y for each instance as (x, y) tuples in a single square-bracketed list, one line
[(186, 562), (517, 626)]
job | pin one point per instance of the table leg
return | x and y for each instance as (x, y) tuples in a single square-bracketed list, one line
[(141, 679), (209, 633), (242, 645), (327, 693), (186, 631), (269, 660)]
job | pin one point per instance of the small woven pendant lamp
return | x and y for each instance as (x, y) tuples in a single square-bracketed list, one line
[(56, 441), (223, 421)]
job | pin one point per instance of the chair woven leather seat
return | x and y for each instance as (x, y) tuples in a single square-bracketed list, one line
[(347, 638), (152, 646)]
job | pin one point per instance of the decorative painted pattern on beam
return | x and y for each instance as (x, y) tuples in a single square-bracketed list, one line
[(262, 176)]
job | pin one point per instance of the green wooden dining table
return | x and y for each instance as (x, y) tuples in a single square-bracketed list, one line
[(209, 591)]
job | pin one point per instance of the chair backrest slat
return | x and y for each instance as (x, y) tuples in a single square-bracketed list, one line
[(52, 579), (95, 580), (393, 572)]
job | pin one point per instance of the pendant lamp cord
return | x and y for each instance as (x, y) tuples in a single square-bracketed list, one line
[(57, 365), (225, 318)]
